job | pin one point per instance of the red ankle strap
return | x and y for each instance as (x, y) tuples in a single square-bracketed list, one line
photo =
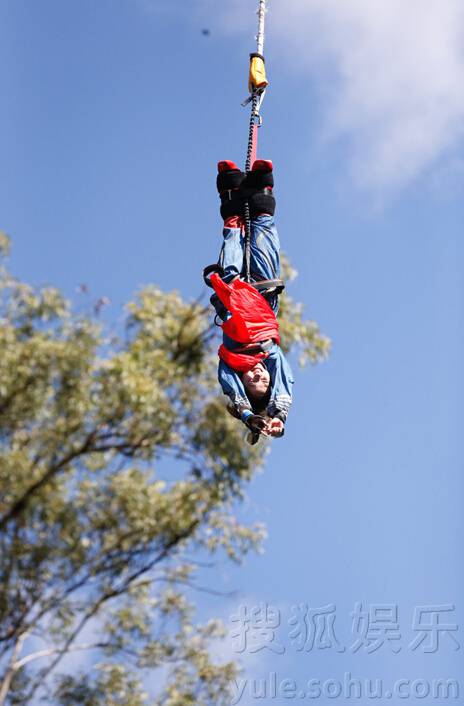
[(227, 165), (233, 222)]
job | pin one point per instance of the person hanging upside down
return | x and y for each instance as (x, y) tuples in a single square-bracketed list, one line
[(253, 371)]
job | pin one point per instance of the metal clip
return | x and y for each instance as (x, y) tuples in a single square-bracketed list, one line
[(256, 92)]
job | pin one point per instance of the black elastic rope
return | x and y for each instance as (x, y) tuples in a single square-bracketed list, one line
[(254, 114)]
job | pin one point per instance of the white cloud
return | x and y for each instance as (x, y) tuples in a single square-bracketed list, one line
[(391, 73)]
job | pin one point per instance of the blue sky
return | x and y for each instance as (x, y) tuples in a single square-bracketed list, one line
[(114, 116)]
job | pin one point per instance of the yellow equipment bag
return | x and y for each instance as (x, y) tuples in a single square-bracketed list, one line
[(257, 78)]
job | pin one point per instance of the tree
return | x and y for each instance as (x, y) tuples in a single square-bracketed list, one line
[(93, 540)]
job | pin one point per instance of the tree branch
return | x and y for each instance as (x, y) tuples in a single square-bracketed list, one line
[(21, 503), (10, 670), (109, 595), (53, 650)]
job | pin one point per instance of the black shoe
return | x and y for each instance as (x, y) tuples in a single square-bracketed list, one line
[(228, 182), (256, 188)]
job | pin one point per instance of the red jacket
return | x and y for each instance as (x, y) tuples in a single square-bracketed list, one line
[(252, 321)]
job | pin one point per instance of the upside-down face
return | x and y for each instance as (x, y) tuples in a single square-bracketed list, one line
[(256, 381)]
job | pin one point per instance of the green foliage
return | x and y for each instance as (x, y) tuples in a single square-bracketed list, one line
[(4, 244), (94, 537)]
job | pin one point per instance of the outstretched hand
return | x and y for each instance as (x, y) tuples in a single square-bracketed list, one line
[(256, 423), (267, 427), (275, 427)]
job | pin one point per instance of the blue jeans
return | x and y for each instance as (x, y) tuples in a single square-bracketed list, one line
[(265, 246)]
